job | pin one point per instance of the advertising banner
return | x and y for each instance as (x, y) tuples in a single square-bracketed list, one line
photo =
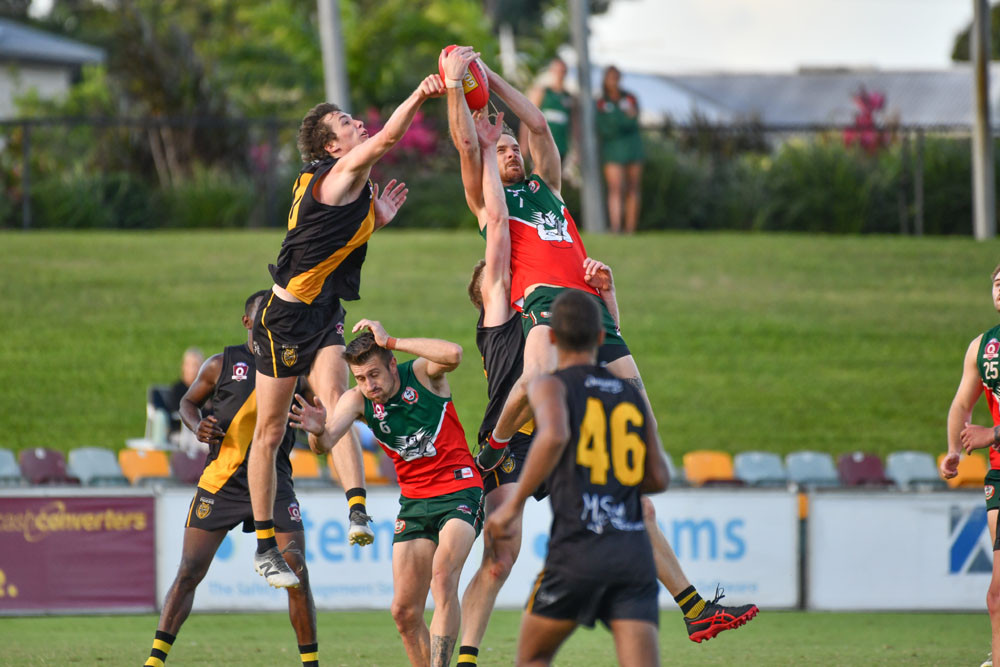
[(747, 541), (77, 553), (891, 551)]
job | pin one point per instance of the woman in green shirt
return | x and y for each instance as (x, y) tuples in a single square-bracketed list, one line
[(621, 151)]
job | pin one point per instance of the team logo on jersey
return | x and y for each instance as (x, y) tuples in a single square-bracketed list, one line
[(533, 185), (410, 395), (552, 228), (294, 512), (412, 447), (400, 526), (545, 314), (992, 349), (990, 490), (508, 465), (379, 410), (241, 371), (256, 348), (340, 328), (204, 507), (465, 509), (289, 354)]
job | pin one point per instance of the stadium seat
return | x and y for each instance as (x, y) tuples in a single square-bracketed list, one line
[(812, 469), (861, 469), (913, 470), (40, 465), (187, 466), (760, 469), (144, 466), (10, 472), (96, 466), (373, 472), (306, 471), (972, 471), (709, 467)]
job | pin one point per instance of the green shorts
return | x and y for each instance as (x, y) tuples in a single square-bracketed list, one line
[(537, 310), (424, 517), (992, 485), (622, 150)]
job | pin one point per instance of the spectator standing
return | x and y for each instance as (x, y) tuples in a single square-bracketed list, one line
[(621, 151)]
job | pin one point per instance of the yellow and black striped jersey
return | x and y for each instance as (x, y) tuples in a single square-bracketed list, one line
[(325, 246), (235, 407)]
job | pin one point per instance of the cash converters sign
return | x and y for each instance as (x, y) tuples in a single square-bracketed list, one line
[(77, 553)]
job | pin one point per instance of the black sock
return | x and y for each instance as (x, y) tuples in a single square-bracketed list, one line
[(690, 602), (309, 654), (265, 535), (468, 655), (356, 499), (162, 642)]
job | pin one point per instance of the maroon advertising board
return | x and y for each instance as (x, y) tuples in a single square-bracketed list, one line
[(77, 553)]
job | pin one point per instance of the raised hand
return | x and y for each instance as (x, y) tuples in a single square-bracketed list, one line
[(432, 86), (457, 62), (308, 417), (388, 203), (381, 337), (487, 132)]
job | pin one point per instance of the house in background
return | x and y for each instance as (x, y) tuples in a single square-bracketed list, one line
[(34, 59), (809, 97)]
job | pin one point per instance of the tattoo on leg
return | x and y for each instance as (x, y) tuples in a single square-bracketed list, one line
[(441, 648), (635, 382)]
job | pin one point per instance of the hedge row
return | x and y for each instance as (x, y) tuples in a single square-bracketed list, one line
[(813, 185)]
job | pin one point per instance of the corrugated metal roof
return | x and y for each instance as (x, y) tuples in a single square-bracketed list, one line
[(18, 42)]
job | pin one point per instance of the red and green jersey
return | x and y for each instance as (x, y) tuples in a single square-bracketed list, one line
[(988, 362), (545, 246), (420, 432)]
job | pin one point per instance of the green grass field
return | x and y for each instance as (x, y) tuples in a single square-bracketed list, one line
[(745, 341), (369, 638)]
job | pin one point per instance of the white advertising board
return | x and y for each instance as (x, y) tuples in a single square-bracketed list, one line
[(744, 540), (888, 551)]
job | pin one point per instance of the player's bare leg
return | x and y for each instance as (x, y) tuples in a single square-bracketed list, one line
[(633, 195), (301, 609), (328, 379), (637, 643), (412, 564), (539, 639), (993, 592), (274, 397), (614, 177), (454, 542), (196, 556), (498, 559), (539, 357), (668, 568)]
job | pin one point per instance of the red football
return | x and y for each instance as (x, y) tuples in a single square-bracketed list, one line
[(477, 89)]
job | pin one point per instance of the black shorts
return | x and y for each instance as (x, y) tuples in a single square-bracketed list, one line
[(537, 309), (212, 512), (559, 596), (510, 470), (287, 335)]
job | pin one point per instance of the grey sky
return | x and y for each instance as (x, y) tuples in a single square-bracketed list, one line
[(777, 35)]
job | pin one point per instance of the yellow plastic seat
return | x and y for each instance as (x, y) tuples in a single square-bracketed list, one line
[(707, 465), (138, 464), (972, 471)]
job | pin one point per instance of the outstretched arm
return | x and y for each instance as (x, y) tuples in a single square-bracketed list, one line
[(548, 400), (311, 418), (541, 145), (460, 125), (356, 164), (494, 218)]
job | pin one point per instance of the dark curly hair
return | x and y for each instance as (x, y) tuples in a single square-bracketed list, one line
[(314, 134)]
